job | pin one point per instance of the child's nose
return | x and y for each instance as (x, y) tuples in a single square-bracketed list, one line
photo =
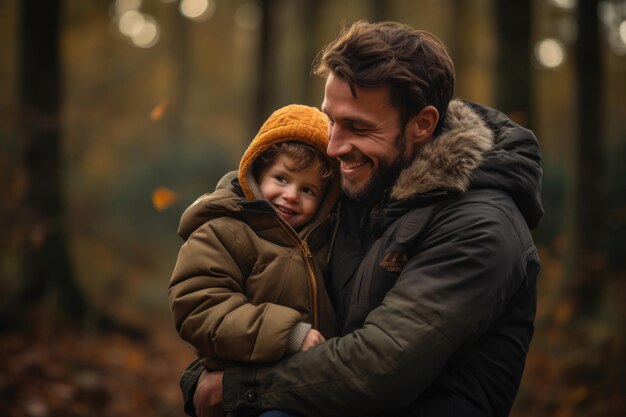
[(290, 194)]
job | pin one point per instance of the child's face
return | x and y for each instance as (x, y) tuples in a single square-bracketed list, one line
[(294, 194)]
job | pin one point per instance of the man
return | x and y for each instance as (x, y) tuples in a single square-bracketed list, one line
[(433, 269)]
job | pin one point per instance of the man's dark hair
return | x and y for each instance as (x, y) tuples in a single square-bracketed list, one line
[(414, 63)]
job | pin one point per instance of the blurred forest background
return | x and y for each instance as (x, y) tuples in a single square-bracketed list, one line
[(116, 114)]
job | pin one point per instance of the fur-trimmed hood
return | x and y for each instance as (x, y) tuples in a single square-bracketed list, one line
[(478, 148), (447, 162)]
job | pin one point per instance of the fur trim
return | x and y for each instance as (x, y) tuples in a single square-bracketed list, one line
[(448, 161)]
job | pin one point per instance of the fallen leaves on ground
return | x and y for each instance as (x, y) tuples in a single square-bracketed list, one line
[(70, 373)]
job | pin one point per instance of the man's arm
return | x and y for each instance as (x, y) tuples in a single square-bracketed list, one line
[(203, 389), (207, 400), (450, 292)]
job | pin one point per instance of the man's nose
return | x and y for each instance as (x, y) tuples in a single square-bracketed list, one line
[(338, 144)]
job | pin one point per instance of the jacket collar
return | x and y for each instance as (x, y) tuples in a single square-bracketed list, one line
[(448, 161)]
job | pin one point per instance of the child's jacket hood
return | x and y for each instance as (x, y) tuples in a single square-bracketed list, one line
[(298, 123)]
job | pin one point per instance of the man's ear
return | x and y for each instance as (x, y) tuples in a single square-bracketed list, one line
[(421, 126)]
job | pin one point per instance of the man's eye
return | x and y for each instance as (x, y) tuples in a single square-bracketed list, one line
[(358, 131)]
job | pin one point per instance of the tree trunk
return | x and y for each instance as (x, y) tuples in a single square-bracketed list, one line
[(178, 48), (46, 259), (265, 80), (513, 75), (587, 199), (310, 17), (380, 10)]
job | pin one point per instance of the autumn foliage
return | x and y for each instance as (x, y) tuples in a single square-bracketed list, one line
[(54, 370)]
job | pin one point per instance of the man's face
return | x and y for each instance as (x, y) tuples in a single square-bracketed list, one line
[(366, 137)]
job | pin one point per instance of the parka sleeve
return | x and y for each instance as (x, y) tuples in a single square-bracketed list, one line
[(210, 308), (447, 294)]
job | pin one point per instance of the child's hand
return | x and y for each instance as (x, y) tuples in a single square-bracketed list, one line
[(312, 338)]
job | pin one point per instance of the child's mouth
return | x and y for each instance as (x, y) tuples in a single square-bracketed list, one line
[(285, 210)]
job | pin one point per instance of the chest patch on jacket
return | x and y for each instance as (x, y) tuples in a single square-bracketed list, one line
[(394, 261)]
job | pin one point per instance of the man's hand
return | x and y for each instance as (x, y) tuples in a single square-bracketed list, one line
[(208, 397), (312, 338)]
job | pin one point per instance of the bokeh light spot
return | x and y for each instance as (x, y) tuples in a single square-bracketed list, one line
[(131, 23), (122, 6), (564, 4), (149, 34), (200, 10), (549, 53)]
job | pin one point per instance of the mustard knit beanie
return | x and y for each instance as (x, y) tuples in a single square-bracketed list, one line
[(295, 122)]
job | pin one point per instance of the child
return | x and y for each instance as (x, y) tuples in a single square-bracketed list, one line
[(248, 284)]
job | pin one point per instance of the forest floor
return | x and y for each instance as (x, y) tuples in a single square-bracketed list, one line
[(59, 371), (50, 369)]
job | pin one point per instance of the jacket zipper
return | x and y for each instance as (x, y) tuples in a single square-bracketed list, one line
[(308, 260), (312, 274)]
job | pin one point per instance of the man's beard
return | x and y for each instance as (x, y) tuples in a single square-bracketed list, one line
[(382, 179)]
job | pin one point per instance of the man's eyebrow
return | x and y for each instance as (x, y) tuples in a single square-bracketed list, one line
[(349, 119), (354, 120)]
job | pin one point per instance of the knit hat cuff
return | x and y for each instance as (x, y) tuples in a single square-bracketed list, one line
[(294, 122)]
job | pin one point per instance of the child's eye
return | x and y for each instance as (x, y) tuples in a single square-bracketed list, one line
[(309, 191), (280, 178)]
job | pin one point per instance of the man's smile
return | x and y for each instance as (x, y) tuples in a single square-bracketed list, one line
[(351, 165)]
